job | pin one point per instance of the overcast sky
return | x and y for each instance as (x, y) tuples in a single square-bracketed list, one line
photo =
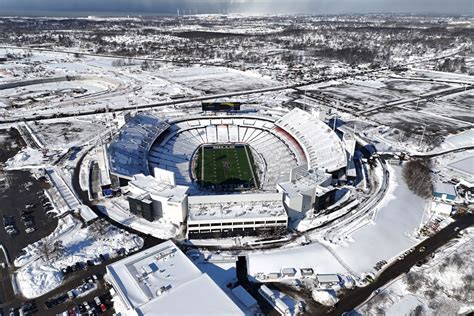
[(32, 7)]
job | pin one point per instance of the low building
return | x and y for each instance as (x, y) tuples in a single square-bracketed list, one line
[(162, 281), (440, 208), (328, 279), (245, 299), (213, 216), (444, 192), (154, 199), (307, 192)]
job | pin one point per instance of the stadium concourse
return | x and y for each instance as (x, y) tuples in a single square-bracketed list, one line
[(293, 154)]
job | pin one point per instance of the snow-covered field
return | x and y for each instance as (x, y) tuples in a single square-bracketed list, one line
[(462, 139), (216, 80), (391, 231), (39, 268), (25, 158), (313, 256)]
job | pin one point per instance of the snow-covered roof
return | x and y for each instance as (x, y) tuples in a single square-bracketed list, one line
[(128, 152), (312, 180), (235, 206), (87, 213), (163, 279), (244, 297), (444, 188), (323, 148), (148, 184), (328, 278)]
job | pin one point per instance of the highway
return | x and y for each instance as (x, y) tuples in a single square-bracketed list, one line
[(356, 297), (104, 109)]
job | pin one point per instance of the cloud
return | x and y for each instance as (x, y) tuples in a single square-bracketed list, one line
[(247, 6)]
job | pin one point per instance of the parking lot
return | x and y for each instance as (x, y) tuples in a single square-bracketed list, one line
[(22, 191)]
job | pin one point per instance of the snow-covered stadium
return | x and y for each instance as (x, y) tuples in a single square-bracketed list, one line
[(283, 147), (279, 143)]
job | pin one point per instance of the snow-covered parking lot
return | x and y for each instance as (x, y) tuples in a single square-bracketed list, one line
[(39, 267)]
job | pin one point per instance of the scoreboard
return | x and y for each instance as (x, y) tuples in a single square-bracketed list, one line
[(221, 106)]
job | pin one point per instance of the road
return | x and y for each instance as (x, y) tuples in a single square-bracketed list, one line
[(356, 297), (6, 289), (58, 114)]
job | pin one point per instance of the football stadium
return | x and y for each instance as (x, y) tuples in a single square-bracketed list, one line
[(219, 172)]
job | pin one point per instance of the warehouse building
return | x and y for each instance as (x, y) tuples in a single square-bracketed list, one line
[(162, 281)]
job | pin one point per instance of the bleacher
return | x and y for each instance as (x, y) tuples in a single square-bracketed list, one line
[(323, 147), (175, 153), (128, 151)]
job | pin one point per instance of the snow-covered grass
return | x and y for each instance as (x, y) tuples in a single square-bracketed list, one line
[(392, 230), (25, 158), (39, 270), (216, 80), (313, 256), (65, 133)]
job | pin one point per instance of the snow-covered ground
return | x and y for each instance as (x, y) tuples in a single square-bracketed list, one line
[(325, 297), (118, 210), (463, 139), (39, 268), (313, 256), (216, 80), (442, 286), (391, 231), (27, 158)]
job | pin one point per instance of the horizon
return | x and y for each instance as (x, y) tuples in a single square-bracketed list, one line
[(248, 7)]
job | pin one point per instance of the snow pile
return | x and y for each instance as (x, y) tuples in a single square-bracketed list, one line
[(69, 243), (27, 157), (325, 297)]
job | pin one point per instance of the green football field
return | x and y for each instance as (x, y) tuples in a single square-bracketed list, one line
[(226, 167)]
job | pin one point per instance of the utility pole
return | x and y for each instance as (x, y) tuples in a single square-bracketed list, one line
[(418, 101), (422, 135)]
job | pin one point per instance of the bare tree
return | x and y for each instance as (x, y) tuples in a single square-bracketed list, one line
[(58, 248), (99, 227), (46, 249), (417, 175)]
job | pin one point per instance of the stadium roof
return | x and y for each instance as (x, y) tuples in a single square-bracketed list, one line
[(163, 279), (312, 180), (148, 184), (128, 152), (220, 207)]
